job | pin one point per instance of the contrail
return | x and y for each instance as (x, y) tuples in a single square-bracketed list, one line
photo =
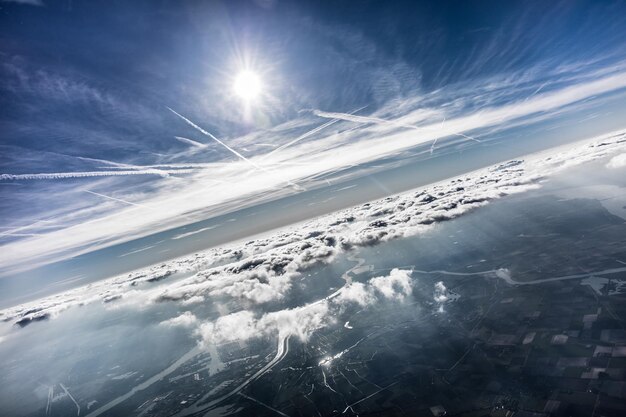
[(108, 197), (536, 91), (309, 133), (115, 165), (204, 132), (117, 199), (20, 234), (357, 119), (83, 174), (26, 227), (432, 146), (106, 162), (206, 165), (376, 120), (191, 142)]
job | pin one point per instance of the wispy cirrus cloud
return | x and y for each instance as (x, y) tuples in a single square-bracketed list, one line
[(308, 150)]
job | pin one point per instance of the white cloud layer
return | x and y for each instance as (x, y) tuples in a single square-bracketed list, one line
[(355, 140), (263, 270)]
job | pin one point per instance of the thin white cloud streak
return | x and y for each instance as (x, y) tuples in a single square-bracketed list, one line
[(13, 231), (107, 162), (191, 142), (359, 119), (208, 165), (204, 132), (119, 165), (130, 203), (308, 134), (195, 232), (20, 234), (330, 154), (86, 174), (301, 137), (117, 199), (367, 120)]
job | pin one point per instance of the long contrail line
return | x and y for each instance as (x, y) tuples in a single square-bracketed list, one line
[(85, 174), (204, 132), (204, 165), (116, 165)]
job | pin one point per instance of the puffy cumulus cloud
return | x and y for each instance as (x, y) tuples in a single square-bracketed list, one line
[(302, 321), (358, 293), (618, 161), (256, 290), (236, 326), (262, 270), (187, 319), (440, 295), (505, 274), (397, 285), (244, 325)]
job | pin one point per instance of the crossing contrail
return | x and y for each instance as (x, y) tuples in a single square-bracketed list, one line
[(204, 132), (301, 137), (240, 156)]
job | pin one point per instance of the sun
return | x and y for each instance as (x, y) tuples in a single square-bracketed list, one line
[(247, 85)]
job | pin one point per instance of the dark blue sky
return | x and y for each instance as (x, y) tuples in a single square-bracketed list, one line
[(87, 85), (331, 55)]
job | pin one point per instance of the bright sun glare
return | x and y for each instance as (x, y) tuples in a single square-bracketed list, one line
[(247, 85)]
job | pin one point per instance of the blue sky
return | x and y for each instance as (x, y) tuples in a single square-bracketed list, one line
[(355, 88)]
